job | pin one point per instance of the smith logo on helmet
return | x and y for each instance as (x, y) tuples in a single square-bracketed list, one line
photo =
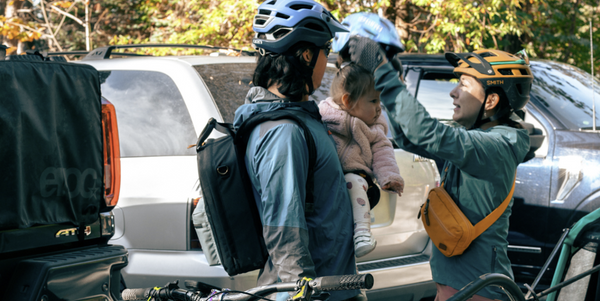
[(495, 82)]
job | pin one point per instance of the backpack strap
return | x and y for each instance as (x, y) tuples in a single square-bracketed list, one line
[(213, 124), (485, 223), (243, 134)]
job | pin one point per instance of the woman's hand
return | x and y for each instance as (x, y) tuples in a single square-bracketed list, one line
[(366, 53), (395, 186)]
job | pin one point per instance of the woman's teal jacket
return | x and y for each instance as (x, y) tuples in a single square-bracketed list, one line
[(479, 171), (300, 244)]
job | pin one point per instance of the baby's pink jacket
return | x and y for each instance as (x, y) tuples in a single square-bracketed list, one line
[(359, 146)]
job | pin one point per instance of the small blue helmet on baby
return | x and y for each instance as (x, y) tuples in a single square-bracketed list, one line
[(372, 26)]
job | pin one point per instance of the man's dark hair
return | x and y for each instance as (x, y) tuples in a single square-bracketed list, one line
[(289, 71)]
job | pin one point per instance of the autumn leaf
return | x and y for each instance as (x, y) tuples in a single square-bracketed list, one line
[(63, 4)]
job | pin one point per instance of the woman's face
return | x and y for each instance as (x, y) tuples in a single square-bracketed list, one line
[(468, 97), (319, 69)]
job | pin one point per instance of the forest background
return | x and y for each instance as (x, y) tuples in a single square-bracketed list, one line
[(557, 30)]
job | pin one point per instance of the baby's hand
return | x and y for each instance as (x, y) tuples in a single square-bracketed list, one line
[(395, 186)]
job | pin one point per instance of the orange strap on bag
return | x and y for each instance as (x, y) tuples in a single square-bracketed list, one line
[(449, 229)]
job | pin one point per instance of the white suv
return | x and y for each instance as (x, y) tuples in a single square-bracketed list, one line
[(162, 105)]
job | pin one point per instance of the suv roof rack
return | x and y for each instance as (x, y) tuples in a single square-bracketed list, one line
[(74, 52), (104, 53)]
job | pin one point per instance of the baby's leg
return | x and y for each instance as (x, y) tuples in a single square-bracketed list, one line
[(364, 242)]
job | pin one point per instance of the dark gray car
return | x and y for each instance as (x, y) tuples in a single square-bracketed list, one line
[(561, 183)]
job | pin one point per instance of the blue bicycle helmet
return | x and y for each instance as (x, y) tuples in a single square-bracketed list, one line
[(280, 24), (372, 26)]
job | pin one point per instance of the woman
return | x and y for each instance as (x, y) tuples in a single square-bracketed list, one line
[(481, 157), (293, 39)]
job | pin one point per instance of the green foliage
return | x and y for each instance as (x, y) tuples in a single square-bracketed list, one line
[(551, 29), (225, 23), (562, 33), (457, 25)]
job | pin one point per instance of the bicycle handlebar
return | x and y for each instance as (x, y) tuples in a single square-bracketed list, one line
[(135, 293), (160, 293), (344, 282), (319, 284)]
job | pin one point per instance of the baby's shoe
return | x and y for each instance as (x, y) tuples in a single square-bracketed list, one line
[(364, 243)]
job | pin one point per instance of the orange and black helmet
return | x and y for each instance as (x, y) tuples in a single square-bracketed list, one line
[(496, 68)]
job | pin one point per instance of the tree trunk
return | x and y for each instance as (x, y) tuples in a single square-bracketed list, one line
[(10, 11), (2, 8), (399, 13)]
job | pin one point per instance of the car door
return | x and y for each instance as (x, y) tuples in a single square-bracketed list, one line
[(528, 233)]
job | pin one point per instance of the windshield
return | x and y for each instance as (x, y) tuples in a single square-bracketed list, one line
[(566, 92)]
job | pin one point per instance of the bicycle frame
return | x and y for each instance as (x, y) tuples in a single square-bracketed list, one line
[(500, 280), (565, 243)]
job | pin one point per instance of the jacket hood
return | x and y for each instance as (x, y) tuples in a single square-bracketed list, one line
[(260, 100)]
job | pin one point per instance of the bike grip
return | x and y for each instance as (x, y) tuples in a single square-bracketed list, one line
[(135, 293), (344, 282)]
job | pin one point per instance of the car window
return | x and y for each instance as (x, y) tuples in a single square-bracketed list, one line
[(228, 84), (434, 94), (566, 92), (152, 117)]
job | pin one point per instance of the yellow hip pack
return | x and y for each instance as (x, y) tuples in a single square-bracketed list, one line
[(449, 229)]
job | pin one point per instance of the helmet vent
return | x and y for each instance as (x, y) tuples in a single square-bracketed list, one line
[(283, 16), (370, 32), (487, 54), (281, 32), (314, 26), (259, 21), (505, 71), (301, 6), (264, 12), (272, 2), (519, 89), (524, 71)]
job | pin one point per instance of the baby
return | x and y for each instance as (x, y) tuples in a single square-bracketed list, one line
[(353, 116)]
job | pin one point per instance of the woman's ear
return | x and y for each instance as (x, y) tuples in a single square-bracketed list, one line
[(307, 55), (492, 102)]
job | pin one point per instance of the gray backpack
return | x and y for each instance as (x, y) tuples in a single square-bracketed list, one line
[(230, 208)]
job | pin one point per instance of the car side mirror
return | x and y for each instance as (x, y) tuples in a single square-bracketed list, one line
[(536, 138)]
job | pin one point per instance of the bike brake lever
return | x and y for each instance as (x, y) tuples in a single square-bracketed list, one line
[(304, 292)]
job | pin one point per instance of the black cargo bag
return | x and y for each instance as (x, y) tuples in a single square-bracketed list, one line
[(227, 191), (50, 144)]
